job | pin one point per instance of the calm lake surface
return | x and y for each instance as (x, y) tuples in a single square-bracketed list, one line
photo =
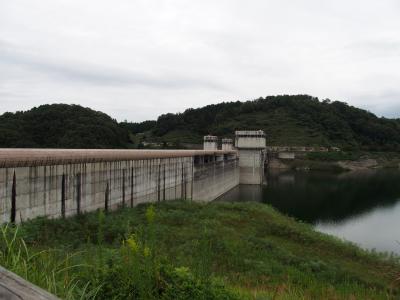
[(362, 207)]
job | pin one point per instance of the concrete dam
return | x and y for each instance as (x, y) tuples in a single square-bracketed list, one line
[(65, 182)]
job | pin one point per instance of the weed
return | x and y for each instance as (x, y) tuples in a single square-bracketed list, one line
[(45, 268), (184, 250)]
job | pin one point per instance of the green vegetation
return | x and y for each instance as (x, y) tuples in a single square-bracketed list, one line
[(182, 250), (287, 120), (61, 126), (138, 127), (299, 120)]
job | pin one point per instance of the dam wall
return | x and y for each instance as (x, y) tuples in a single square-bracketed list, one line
[(214, 178), (62, 183)]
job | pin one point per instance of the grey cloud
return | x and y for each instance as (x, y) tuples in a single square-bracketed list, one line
[(376, 47), (385, 103), (96, 74), (135, 59)]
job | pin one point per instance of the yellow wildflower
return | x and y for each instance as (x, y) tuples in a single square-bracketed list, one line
[(150, 214), (132, 244)]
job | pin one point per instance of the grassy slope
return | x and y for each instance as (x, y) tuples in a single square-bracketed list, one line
[(258, 252)]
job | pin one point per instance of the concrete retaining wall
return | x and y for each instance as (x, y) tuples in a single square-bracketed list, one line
[(251, 165), (286, 155), (60, 190)]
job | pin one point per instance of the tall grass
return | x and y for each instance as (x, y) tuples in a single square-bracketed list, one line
[(134, 269), (49, 269), (181, 250), (137, 270)]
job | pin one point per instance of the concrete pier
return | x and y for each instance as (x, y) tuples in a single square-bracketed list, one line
[(227, 144)]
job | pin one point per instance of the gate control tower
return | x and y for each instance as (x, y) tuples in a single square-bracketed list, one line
[(210, 142)]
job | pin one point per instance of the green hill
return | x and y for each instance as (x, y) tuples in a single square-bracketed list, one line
[(287, 120), (61, 126)]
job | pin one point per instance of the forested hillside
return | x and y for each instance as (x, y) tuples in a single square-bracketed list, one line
[(61, 126), (287, 120)]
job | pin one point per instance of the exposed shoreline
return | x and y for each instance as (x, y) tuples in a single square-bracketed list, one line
[(365, 162)]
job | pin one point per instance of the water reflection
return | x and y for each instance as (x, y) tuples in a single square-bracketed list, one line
[(363, 207)]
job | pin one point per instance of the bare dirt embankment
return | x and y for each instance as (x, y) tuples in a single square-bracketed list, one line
[(361, 164), (277, 163), (340, 165)]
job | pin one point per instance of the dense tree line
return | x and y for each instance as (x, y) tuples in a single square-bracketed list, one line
[(299, 119), (134, 127), (61, 126), (287, 120)]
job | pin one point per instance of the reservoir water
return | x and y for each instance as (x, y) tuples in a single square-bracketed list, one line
[(362, 207)]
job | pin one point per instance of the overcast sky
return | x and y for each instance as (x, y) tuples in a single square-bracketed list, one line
[(135, 60)]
